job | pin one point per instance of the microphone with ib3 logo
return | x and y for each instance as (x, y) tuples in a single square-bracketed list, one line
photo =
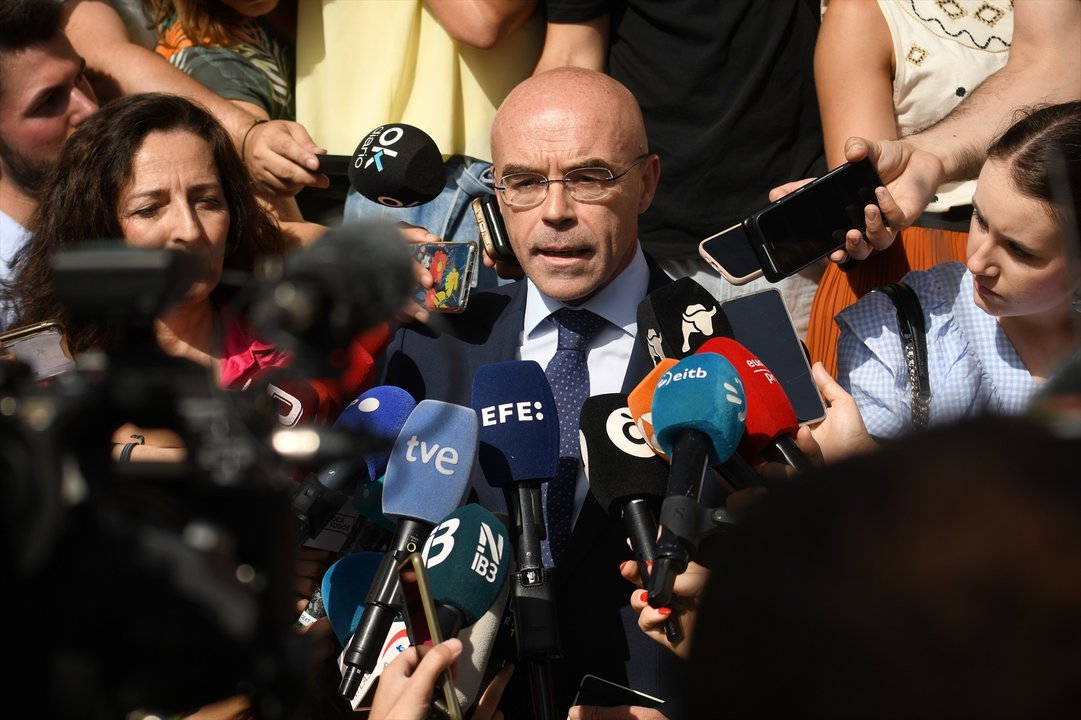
[(427, 477)]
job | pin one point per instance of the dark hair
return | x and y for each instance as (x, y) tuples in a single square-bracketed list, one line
[(25, 23), (205, 22), (1030, 146), (80, 200), (938, 577)]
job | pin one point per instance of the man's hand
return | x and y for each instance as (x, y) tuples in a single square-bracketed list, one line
[(283, 158)]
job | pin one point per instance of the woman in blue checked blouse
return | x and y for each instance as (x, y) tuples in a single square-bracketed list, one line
[(999, 324)]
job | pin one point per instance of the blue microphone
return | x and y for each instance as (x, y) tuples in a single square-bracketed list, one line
[(519, 449), (427, 477), (345, 584), (699, 409)]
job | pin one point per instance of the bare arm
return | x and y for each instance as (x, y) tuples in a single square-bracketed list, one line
[(1044, 66), (281, 154), (853, 68), (481, 23), (575, 44)]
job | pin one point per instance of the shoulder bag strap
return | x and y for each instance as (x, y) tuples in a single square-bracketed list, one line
[(914, 336)]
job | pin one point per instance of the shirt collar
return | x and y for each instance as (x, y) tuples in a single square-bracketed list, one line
[(611, 303)]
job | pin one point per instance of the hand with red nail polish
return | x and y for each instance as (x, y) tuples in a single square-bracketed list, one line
[(688, 590)]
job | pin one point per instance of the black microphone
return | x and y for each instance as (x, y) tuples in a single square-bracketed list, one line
[(396, 165), (627, 477), (519, 449), (676, 318), (427, 477), (350, 279)]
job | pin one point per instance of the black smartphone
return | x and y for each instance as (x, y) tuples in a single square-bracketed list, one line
[(761, 323), (731, 253), (811, 222), (422, 626), (493, 234), (597, 692)]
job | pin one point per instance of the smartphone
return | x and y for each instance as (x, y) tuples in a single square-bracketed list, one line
[(810, 223), (761, 323), (452, 265), (422, 626), (493, 233), (731, 253), (42, 346), (598, 692)]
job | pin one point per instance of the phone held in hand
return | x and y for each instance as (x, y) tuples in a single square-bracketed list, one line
[(493, 234), (595, 691), (422, 625), (804, 226), (452, 265), (42, 346)]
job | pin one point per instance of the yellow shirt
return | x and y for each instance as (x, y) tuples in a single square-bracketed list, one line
[(363, 63)]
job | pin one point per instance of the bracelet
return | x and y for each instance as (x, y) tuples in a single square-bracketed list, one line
[(125, 454), (246, 134)]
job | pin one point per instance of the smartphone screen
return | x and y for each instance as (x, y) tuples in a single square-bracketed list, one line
[(40, 346), (731, 254), (761, 323), (452, 265), (422, 625), (597, 692), (811, 222)]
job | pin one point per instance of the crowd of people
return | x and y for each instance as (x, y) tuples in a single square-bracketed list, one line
[(924, 568)]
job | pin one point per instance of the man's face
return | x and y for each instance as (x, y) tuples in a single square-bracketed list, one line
[(571, 248), (43, 98)]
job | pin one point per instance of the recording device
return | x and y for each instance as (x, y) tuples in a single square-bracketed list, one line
[(452, 266), (771, 424), (795, 231), (42, 346), (422, 624), (699, 410), (676, 318), (761, 323), (396, 165), (493, 233), (427, 477)]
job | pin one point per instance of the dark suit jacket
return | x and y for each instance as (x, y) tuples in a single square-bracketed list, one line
[(598, 629)]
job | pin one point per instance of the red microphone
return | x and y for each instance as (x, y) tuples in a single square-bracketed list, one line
[(771, 425)]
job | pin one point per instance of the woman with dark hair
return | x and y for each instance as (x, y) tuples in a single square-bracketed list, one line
[(1000, 324), (158, 172)]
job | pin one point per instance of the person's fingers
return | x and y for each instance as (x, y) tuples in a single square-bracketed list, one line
[(509, 270), (623, 712), (487, 706), (435, 661), (417, 234), (831, 390), (856, 149), (839, 256), (629, 571), (780, 191)]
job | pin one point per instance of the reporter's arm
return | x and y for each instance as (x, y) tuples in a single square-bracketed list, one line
[(481, 23), (583, 44)]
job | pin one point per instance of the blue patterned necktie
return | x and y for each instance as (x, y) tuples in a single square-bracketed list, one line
[(569, 377)]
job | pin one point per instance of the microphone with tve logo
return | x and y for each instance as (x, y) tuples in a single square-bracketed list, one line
[(427, 476), (698, 414), (396, 165)]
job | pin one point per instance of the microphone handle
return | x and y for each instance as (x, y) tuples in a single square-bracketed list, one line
[(738, 473), (540, 686), (642, 532), (783, 448)]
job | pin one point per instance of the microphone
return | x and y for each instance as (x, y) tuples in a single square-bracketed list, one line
[(350, 279), (377, 416), (698, 413), (468, 564), (676, 318), (427, 476), (626, 476), (640, 403), (519, 449), (771, 424), (396, 165), (344, 584)]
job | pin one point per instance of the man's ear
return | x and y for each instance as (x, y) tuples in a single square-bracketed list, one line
[(651, 175)]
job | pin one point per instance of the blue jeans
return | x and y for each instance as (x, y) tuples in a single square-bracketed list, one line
[(448, 215)]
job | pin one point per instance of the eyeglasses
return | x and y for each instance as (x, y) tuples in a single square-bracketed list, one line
[(526, 190)]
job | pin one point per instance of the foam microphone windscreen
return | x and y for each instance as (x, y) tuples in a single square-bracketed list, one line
[(620, 466), (640, 402), (368, 500), (769, 413), (519, 423), (431, 463), (397, 165), (677, 317), (468, 561), (379, 415), (703, 393), (345, 585)]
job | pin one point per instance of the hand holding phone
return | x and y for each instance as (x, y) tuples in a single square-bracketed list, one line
[(493, 234), (42, 346), (452, 265)]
